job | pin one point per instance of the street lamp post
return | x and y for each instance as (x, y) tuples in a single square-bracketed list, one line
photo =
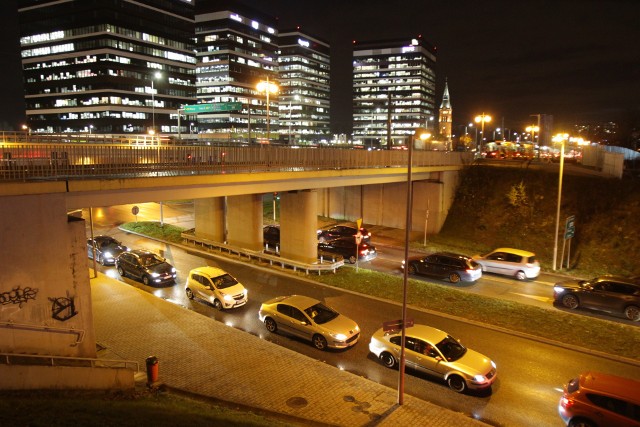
[(296, 97), (533, 129), (561, 139), (482, 119), (156, 75), (267, 87)]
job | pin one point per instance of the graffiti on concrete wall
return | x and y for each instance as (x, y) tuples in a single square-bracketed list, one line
[(63, 308), (18, 296)]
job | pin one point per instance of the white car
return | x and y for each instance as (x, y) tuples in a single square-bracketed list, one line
[(216, 287), (435, 352), (510, 262)]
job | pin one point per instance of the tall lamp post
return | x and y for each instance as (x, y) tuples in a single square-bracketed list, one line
[(533, 129), (482, 119), (422, 134), (268, 88), (156, 75), (296, 97), (559, 138)]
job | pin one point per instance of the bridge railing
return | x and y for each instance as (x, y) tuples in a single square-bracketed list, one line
[(22, 161)]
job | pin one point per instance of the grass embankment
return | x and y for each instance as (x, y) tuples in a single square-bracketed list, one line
[(139, 408), (582, 331)]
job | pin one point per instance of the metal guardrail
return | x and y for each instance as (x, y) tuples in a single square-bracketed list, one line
[(34, 359), (271, 259), (60, 158)]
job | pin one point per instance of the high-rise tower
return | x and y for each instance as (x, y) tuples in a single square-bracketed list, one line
[(446, 114)]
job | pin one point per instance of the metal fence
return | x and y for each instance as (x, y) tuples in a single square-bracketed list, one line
[(24, 157)]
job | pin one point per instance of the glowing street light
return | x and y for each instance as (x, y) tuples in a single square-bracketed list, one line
[(482, 119), (157, 75), (268, 88), (533, 129)]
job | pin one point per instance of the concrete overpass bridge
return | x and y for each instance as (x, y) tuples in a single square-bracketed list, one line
[(44, 283)]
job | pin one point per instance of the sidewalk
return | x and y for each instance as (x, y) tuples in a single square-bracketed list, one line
[(202, 356)]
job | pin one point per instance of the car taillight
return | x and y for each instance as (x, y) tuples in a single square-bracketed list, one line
[(364, 251), (566, 402)]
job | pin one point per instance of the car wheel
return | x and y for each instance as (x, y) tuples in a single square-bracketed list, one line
[(217, 304), (319, 342), (412, 269), (270, 324), (388, 360), (454, 278), (520, 275), (581, 422), (570, 301), (121, 271), (189, 293), (352, 259), (456, 383), (145, 280), (633, 313)]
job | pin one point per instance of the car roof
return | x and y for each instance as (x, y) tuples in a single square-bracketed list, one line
[(141, 252), (452, 255), (425, 332), (208, 271), (514, 251), (300, 301), (620, 279), (613, 385)]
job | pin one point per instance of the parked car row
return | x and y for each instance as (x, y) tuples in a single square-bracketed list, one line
[(335, 241), (146, 266)]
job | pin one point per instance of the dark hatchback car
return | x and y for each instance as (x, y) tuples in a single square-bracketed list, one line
[(613, 294), (342, 231), (107, 249), (271, 235), (446, 265), (143, 265), (346, 246)]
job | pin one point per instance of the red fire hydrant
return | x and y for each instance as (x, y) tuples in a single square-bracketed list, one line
[(152, 370)]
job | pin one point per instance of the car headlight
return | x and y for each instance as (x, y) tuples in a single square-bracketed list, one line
[(479, 379), (173, 269), (493, 364), (558, 289), (339, 337), (108, 255), (155, 274), (245, 292), (227, 297)]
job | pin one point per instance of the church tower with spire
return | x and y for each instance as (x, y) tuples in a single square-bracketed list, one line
[(446, 114)]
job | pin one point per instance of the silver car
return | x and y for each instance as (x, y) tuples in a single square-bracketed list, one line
[(510, 262), (435, 352), (309, 319)]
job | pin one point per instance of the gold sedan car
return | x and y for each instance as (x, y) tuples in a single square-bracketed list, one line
[(435, 352), (309, 319)]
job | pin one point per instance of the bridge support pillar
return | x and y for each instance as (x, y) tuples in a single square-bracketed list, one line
[(209, 218), (298, 225), (245, 221)]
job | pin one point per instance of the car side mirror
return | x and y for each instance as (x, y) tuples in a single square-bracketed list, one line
[(438, 358)]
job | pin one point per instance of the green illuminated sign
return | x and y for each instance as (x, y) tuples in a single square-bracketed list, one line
[(212, 108)]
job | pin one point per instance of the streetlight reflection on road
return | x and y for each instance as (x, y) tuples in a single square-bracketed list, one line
[(268, 88)]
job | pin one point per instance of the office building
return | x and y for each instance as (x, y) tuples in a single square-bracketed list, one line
[(237, 68), (393, 90), (106, 66), (304, 66)]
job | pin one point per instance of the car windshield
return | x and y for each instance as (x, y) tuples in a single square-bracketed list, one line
[(451, 349), (150, 260), (320, 313), (224, 281)]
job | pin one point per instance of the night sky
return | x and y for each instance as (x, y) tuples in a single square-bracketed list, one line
[(578, 60)]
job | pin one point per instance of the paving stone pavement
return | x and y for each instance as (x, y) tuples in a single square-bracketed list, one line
[(199, 355)]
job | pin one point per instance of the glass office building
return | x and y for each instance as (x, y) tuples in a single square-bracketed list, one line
[(106, 66), (236, 50), (304, 66), (393, 90)]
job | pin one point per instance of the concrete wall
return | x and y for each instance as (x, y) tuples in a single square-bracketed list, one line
[(245, 221), (44, 290), (385, 204), (613, 164), (28, 377)]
